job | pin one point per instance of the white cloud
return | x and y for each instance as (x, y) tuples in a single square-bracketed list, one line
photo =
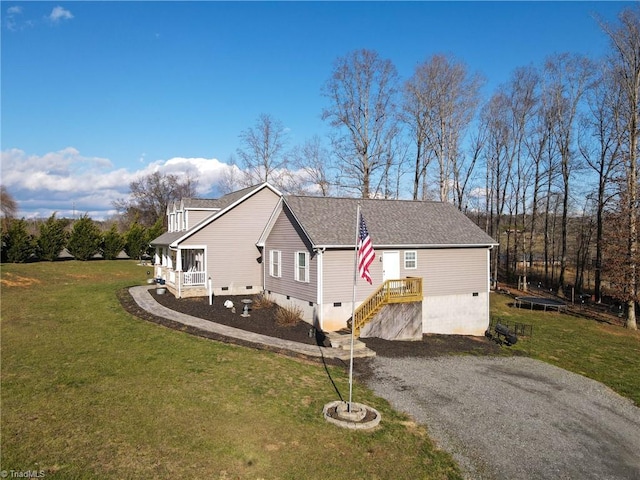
[(68, 182), (208, 171), (60, 13), (11, 18), (14, 18)]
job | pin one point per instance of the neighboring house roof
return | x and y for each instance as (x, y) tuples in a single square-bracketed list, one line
[(223, 204), (331, 222)]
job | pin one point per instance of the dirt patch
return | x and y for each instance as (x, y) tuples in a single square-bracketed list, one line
[(12, 280), (433, 345)]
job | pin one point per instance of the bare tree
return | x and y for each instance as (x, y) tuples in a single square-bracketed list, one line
[(463, 171), (8, 206), (499, 167), (549, 177), (231, 178), (521, 92), (262, 153), (625, 57), (584, 234), (415, 115), (389, 185), (537, 149), (568, 77), (313, 162), (600, 146), (440, 100), (150, 196), (361, 91)]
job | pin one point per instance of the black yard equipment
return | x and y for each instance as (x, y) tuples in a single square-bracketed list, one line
[(502, 335)]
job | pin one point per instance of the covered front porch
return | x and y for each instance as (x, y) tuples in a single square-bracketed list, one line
[(182, 270)]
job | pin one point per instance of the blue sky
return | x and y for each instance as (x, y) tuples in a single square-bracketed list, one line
[(95, 94)]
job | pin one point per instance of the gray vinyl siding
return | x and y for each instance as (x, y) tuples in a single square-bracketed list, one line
[(288, 239), (194, 217), (338, 267), (452, 271), (444, 272), (233, 260)]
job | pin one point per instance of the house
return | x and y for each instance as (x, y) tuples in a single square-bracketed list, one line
[(215, 240), (309, 255), (430, 275)]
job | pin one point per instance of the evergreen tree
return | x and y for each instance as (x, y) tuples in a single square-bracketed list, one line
[(52, 238), (153, 233), (19, 245), (112, 243), (85, 240), (137, 241)]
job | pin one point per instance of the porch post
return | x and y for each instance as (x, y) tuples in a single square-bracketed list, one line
[(179, 260), (179, 271)]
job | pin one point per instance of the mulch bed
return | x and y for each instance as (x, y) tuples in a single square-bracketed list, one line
[(262, 320)]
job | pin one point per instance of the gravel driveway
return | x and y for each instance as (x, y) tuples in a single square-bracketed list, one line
[(515, 418)]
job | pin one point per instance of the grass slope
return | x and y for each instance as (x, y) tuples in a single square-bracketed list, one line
[(88, 391)]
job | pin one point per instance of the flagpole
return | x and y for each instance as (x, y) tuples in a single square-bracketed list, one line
[(353, 304)]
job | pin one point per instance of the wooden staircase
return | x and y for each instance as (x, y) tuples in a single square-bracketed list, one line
[(391, 291)]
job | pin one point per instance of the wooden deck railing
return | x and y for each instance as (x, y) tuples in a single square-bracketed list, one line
[(391, 291)]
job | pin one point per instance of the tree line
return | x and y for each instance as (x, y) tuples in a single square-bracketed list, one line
[(83, 238)]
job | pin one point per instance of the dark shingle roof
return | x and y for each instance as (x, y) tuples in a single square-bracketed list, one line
[(332, 222), (221, 202), (167, 238), (200, 202)]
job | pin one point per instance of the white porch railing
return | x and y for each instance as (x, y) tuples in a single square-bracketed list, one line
[(193, 278)]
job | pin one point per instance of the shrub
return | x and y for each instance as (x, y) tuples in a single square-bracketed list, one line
[(262, 301), (136, 241), (85, 240), (288, 316), (112, 243), (53, 238), (18, 246)]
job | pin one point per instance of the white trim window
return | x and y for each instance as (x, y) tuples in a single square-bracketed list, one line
[(275, 263), (410, 259), (302, 266)]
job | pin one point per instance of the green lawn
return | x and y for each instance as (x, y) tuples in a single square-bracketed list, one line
[(607, 353), (89, 391)]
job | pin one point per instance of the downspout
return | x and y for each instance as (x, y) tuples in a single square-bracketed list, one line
[(264, 269), (489, 285), (320, 289)]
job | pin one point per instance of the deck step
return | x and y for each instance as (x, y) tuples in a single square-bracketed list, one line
[(343, 341)]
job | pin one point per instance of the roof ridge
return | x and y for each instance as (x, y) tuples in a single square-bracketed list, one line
[(407, 200)]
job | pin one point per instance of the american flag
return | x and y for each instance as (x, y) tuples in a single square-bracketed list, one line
[(366, 253)]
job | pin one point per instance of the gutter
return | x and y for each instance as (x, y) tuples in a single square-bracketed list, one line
[(428, 246)]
